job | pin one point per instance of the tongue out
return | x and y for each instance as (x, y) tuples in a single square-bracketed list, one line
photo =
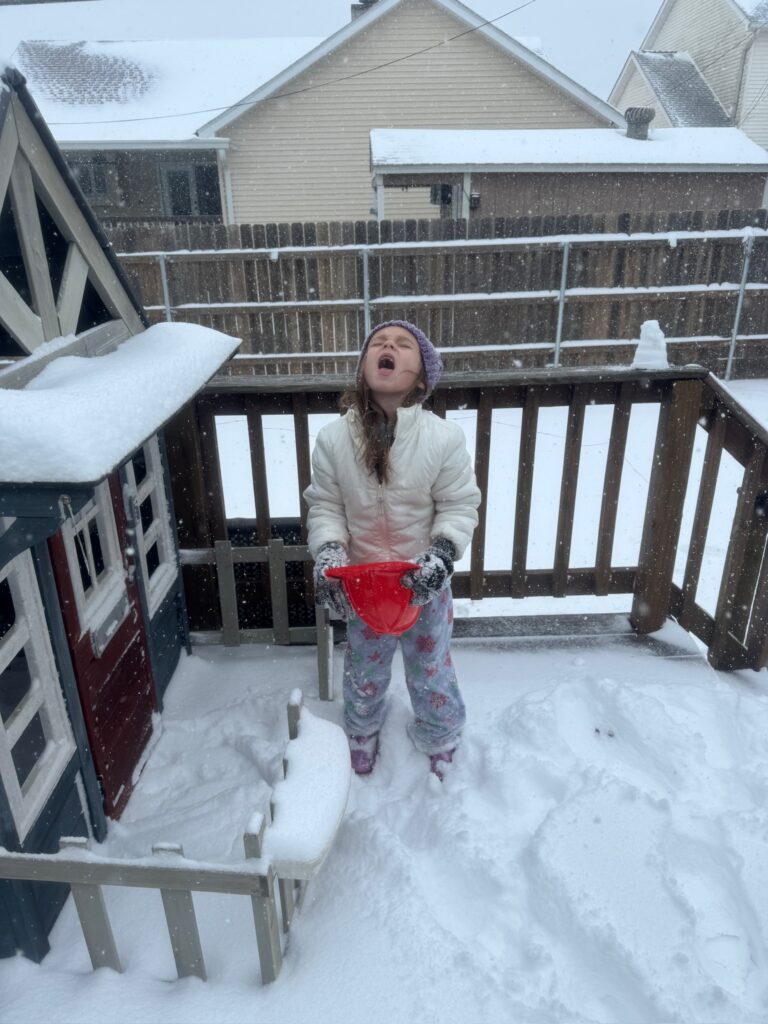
[(386, 366)]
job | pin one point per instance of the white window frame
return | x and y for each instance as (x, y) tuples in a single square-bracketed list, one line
[(101, 610), (43, 698), (160, 532)]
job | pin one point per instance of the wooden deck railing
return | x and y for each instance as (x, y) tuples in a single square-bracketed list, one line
[(220, 596)]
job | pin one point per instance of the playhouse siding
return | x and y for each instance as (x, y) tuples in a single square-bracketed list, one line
[(754, 102), (710, 30), (638, 93), (307, 157)]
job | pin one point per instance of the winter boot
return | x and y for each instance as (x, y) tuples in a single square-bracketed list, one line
[(439, 762), (363, 751)]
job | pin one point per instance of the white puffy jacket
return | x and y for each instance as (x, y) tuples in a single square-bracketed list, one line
[(431, 490)]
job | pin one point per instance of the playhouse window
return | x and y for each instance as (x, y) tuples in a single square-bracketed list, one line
[(154, 540), (96, 567), (35, 738)]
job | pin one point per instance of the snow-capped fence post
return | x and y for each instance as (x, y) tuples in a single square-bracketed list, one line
[(182, 923), (92, 911), (748, 243), (561, 302), (678, 416)]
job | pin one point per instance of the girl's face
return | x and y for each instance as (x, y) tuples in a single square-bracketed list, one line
[(392, 366)]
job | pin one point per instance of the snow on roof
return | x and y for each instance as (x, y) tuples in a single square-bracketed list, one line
[(155, 90), (681, 89), (756, 10), (419, 150), (81, 417)]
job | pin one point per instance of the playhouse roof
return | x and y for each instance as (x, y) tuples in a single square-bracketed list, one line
[(578, 149), (152, 91), (79, 418)]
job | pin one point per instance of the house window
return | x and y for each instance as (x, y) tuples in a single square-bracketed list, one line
[(190, 190), (155, 551), (94, 177), (35, 738), (96, 568)]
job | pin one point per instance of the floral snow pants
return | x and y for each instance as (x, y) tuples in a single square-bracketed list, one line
[(429, 674)]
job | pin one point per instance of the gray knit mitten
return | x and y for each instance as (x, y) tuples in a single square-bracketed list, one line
[(434, 572), (330, 592)]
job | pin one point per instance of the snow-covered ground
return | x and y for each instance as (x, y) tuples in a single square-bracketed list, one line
[(599, 851)]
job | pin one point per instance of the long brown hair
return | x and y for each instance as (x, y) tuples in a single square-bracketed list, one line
[(378, 432)]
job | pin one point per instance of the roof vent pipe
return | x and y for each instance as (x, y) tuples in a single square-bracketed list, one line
[(638, 121), (361, 8)]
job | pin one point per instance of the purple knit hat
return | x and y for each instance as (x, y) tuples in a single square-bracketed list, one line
[(430, 357)]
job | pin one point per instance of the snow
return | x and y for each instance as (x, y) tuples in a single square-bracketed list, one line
[(651, 353), (310, 801), (80, 417), (182, 91), (411, 149)]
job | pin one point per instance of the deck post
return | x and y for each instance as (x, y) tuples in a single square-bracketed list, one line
[(265, 910), (324, 652), (678, 417)]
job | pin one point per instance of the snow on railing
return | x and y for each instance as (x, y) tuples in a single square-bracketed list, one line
[(307, 805)]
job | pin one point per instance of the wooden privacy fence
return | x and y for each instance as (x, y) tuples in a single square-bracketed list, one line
[(221, 594), (263, 875), (488, 302)]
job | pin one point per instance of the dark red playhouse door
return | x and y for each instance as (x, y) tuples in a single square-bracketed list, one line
[(102, 617)]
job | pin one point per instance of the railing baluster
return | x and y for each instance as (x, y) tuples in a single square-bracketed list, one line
[(92, 911), (722, 653), (702, 516), (324, 653), (225, 572), (259, 471), (570, 477), (524, 491), (182, 923), (606, 531), (482, 465), (278, 591)]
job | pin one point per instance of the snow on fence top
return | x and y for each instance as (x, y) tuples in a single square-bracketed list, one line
[(411, 149), (81, 417)]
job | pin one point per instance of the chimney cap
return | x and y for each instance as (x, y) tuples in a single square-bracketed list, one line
[(638, 120)]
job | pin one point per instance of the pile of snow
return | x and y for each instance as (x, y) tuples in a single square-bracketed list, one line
[(651, 352), (597, 853)]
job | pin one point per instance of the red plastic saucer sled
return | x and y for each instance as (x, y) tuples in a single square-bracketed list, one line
[(377, 595)]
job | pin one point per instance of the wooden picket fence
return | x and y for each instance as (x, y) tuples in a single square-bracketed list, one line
[(490, 295)]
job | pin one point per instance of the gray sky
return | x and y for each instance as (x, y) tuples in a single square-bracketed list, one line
[(587, 39)]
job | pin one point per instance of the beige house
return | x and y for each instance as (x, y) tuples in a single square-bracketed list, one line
[(292, 145), (703, 62)]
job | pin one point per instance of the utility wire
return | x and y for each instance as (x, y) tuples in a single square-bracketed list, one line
[(310, 88)]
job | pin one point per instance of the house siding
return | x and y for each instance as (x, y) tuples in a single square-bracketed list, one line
[(754, 102), (715, 35), (469, 83), (638, 93)]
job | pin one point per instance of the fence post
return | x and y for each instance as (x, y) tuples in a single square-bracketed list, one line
[(365, 253), (561, 302), (92, 911), (748, 242), (166, 289), (182, 923)]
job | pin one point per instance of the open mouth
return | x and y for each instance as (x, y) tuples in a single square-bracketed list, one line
[(386, 362)]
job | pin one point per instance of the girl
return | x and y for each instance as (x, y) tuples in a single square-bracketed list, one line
[(392, 481)]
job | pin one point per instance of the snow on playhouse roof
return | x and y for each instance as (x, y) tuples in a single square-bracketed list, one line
[(81, 417), (155, 91), (421, 151)]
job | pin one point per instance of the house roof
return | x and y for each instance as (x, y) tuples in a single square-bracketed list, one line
[(418, 151), (80, 418), (473, 21), (682, 90), (754, 11), (155, 91)]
